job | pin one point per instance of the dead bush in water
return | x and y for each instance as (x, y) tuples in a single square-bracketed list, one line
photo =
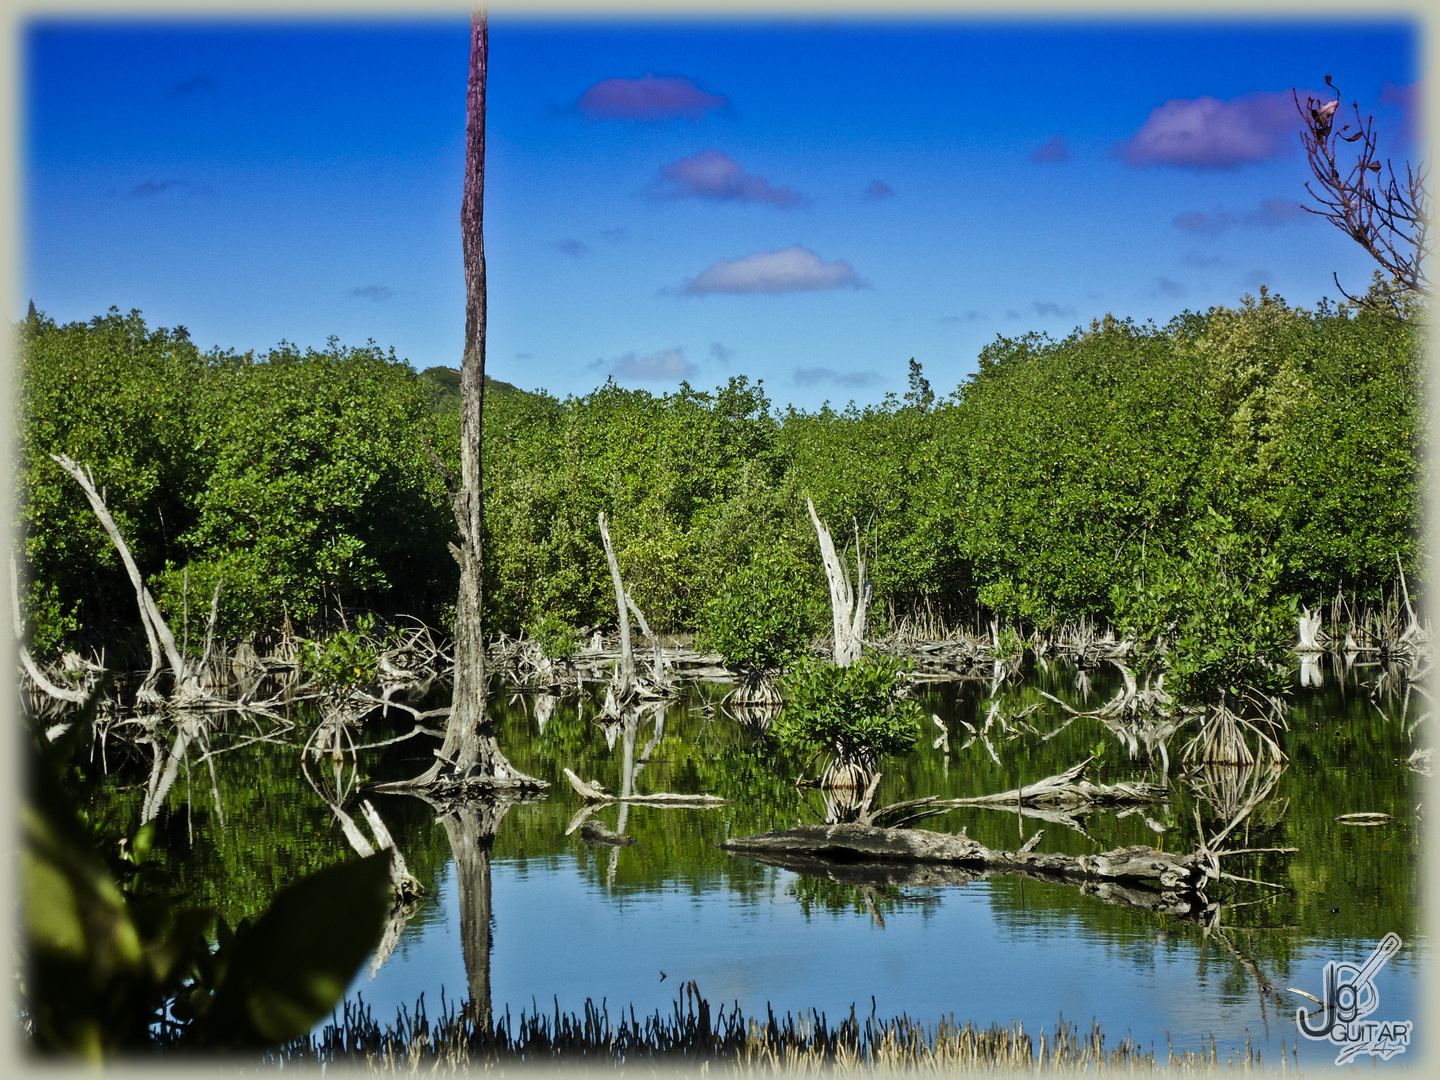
[(1225, 735)]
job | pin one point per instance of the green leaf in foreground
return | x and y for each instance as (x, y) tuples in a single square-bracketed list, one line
[(292, 966)]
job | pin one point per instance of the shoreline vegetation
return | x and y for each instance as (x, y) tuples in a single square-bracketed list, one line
[(690, 1040), (1182, 503), (1263, 457)]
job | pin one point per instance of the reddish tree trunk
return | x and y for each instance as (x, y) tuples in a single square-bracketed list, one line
[(470, 751)]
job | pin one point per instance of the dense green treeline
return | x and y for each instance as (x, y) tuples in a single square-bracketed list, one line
[(1237, 460)]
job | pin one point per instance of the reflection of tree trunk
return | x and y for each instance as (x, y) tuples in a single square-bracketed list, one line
[(471, 831)]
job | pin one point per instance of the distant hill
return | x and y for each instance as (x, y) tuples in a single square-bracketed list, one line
[(444, 386)]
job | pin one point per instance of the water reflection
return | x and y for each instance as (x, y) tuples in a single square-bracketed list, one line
[(471, 832), (568, 913)]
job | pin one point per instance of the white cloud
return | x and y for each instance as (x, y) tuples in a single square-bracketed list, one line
[(667, 365), (1206, 133), (714, 174), (796, 269), (814, 376)]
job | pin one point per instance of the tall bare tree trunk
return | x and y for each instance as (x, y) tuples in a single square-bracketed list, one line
[(470, 751), (626, 678)]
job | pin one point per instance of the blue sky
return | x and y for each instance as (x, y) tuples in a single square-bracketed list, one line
[(807, 202)]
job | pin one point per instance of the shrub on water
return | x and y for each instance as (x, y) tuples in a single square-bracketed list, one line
[(851, 713), (1215, 618), (349, 657)]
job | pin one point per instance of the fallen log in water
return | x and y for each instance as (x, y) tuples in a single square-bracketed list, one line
[(1055, 798), (595, 832), (1137, 866), (1071, 790)]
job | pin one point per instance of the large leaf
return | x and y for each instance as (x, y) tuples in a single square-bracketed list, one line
[(292, 966)]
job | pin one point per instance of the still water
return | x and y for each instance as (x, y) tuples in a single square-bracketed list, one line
[(629, 924)]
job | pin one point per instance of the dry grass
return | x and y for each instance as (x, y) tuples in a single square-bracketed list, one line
[(691, 1039)]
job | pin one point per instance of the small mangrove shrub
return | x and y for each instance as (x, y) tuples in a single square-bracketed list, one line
[(853, 714), (1008, 643), (349, 657), (1218, 626), (758, 622), (554, 635), (758, 619)]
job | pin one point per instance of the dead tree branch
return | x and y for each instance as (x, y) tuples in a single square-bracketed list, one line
[(591, 791), (59, 693), (849, 607), (157, 632), (1389, 218)]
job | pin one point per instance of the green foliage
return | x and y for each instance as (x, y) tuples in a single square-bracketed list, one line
[(116, 396), (760, 617), (320, 491), (442, 386), (555, 636), (349, 656), (298, 479), (1214, 615), (852, 712), (1008, 642), (1062, 480), (108, 955)]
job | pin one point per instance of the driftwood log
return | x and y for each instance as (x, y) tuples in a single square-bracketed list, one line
[(1140, 875), (877, 875), (595, 833), (1056, 798), (1070, 790)]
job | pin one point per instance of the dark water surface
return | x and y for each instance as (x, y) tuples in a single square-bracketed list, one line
[(570, 921)]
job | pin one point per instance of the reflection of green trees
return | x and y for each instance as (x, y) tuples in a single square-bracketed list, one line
[(276, 830), (1344, 757)]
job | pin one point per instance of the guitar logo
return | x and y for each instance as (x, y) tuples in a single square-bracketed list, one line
[(1350, 995)]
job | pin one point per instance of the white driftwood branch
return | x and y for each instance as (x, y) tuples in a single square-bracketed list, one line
[(849, 608), (150, 617), (593, 792), (210, 626), (160, 786), (658, 666), (60, 693), (627, 657)]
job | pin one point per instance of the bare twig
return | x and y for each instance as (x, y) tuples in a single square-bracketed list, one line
[(1390, 218)]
